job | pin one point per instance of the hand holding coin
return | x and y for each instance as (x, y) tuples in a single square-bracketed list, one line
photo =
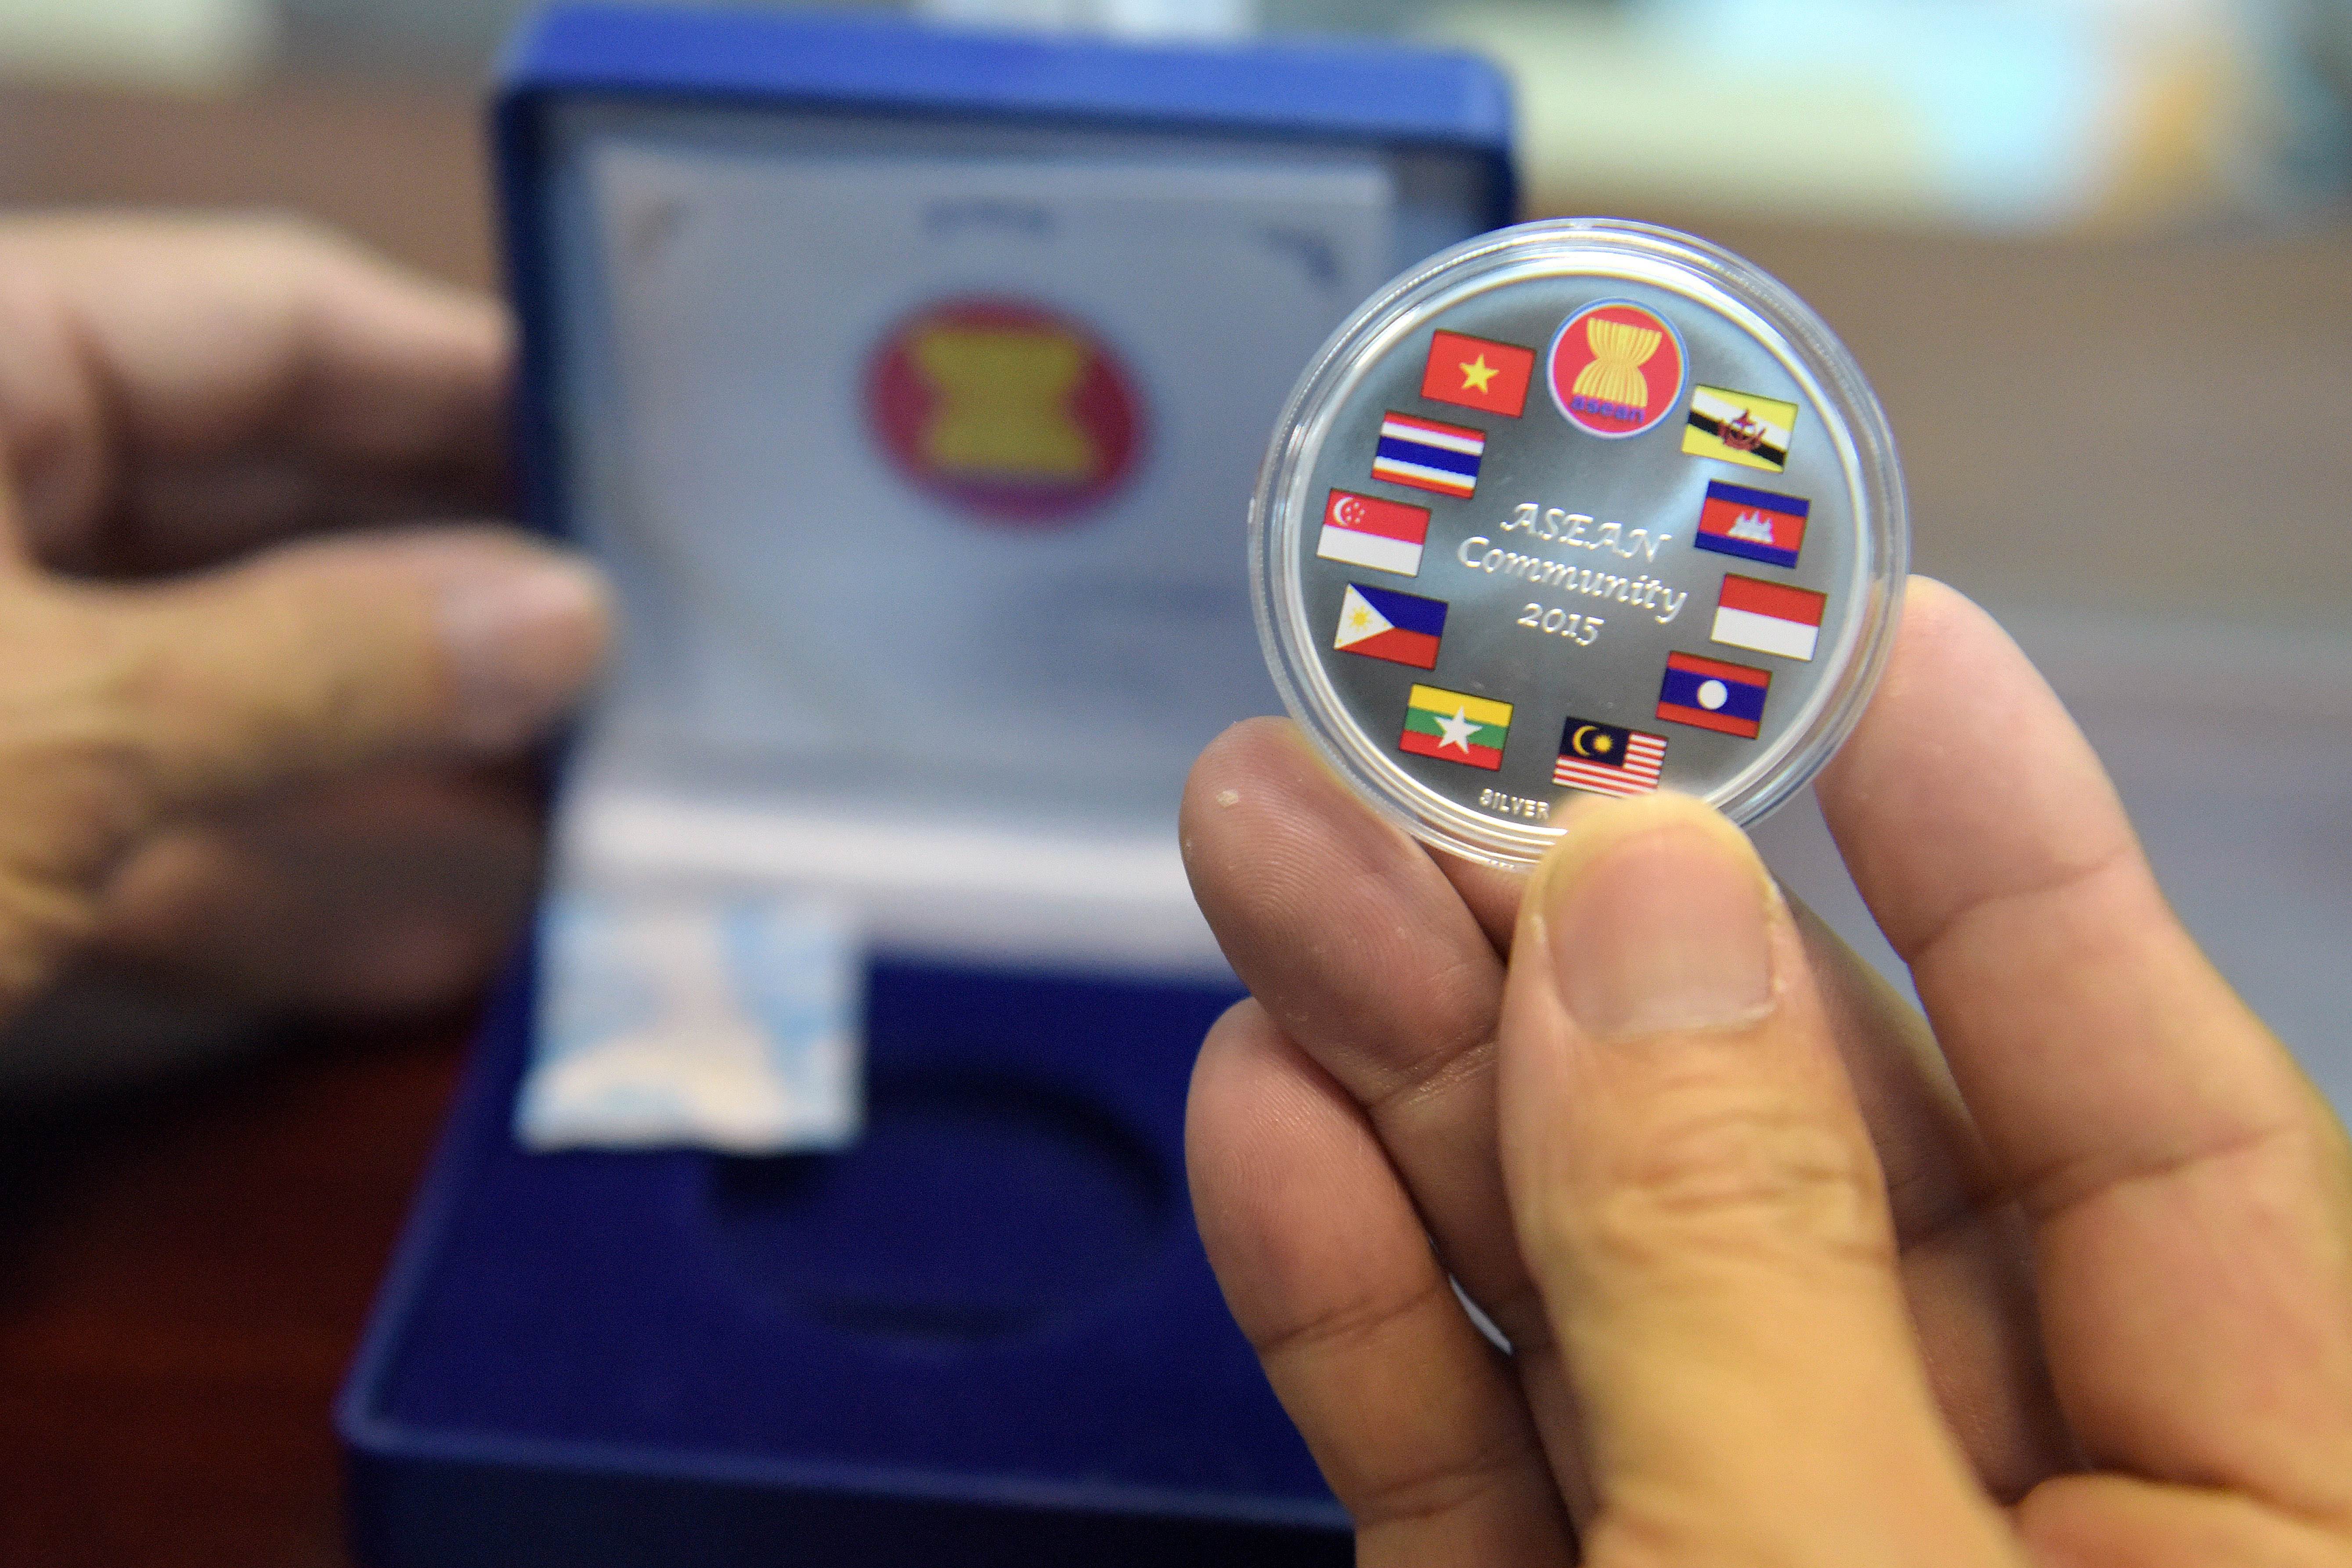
[(2060, 1273)]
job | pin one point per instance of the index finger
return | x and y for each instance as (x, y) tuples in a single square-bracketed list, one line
[(2191, 1194), (178, 390)]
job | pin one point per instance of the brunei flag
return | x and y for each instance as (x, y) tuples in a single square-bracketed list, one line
[(1739, 427), (1456, 726), (1380, 623)]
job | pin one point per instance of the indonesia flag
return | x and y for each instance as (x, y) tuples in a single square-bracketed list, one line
[(1380, 623), (1365, 531), (1429, 456), (1770, 617)]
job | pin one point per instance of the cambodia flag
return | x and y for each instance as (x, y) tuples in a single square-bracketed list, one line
[(1708, 694), (1380, 623), (1756, 525)]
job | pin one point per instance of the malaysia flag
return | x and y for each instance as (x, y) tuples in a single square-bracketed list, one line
[(1708, 694), (1756, 525), (1365, 531), (1380, 623), (1771, 617), (1429, 456), (1608, 759)]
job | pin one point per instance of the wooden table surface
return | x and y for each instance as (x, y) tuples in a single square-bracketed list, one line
[(183, 1273)]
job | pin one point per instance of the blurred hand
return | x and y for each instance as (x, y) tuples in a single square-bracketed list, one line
[(260, 766), (1788, 1279)]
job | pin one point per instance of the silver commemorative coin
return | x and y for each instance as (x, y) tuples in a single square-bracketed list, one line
[(1580, 506)]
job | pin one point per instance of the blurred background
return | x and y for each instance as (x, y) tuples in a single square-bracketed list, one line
[(2092, 252), (2096, 255)]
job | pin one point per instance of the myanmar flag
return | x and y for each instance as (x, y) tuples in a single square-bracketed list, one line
[(1456, 726)]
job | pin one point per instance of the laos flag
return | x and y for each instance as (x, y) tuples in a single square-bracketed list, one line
[(1708, 694), (1380, 623)]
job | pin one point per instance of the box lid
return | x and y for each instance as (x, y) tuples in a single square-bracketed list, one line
[(911, 383), (864, 64)]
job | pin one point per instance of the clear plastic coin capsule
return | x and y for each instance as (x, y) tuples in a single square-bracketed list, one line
[(1578, 507)]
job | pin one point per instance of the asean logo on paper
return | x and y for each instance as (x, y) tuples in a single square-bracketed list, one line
[(1004, 409)]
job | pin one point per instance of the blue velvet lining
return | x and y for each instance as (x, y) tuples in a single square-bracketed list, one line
[(999, 1296)]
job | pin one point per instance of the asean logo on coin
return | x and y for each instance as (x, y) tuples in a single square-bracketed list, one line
[(1004, 409), (1615, 369)]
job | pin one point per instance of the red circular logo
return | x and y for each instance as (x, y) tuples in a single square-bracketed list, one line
[(1003, 408), (1615, 369)]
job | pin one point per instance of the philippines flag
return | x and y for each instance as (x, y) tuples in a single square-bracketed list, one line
[(1429, 456), (1756, 525), (1380, 623), (1770, 617), (1708, 694), (1365, 531)]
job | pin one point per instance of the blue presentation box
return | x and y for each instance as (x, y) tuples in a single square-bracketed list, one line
[(910, 385)]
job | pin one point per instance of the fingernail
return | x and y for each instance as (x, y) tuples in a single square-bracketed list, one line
[(523, 636), (1663, 925)]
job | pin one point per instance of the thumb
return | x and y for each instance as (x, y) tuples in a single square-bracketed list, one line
[(328, 655), (1697, 1196)]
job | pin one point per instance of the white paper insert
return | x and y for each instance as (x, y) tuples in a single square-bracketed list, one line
[(818, 651)]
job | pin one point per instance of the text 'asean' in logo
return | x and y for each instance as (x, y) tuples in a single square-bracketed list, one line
[(1615, 369), (1003, 408)]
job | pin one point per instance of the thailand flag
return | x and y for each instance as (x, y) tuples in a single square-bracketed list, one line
[(1429, 456), (1365, 531), (1708, 694), (1770, 617), (1756, 525), (1380, 623)]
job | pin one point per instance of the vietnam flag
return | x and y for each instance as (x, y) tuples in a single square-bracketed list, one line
[(1477, 373)]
